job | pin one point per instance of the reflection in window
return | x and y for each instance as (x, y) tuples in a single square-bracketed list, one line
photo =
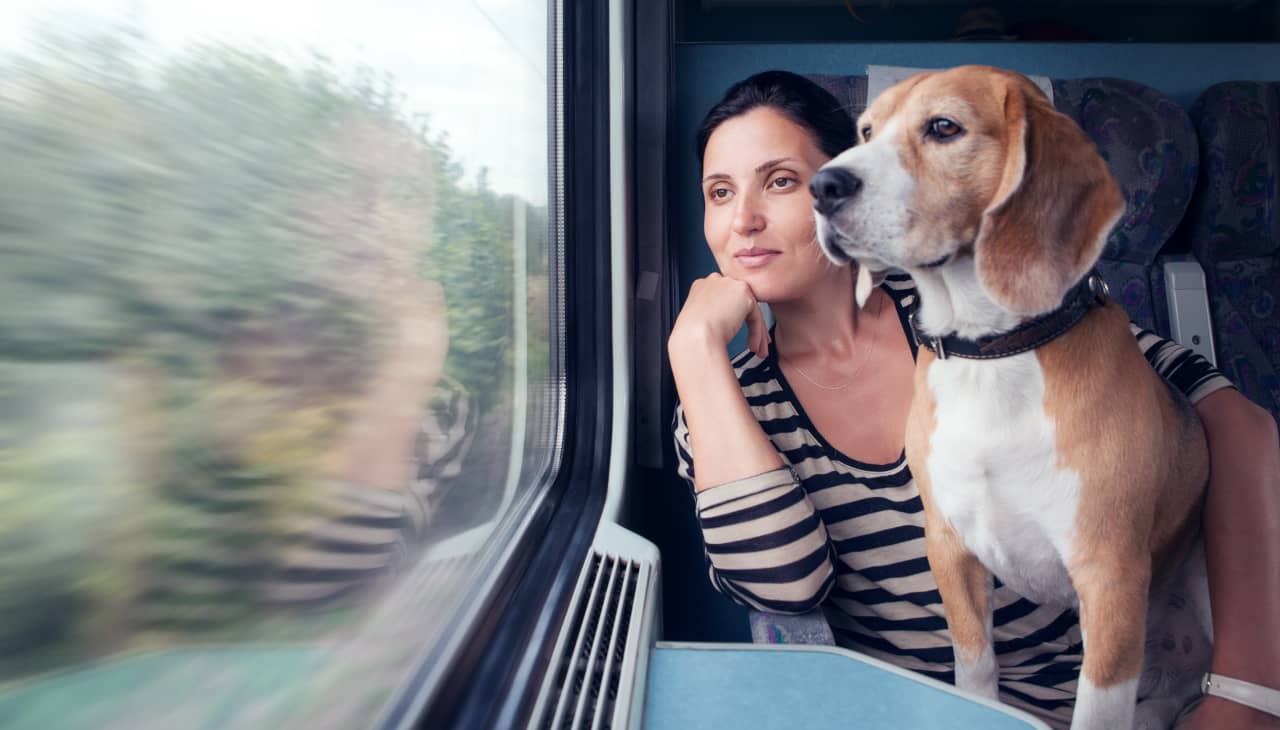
[(278, 369)]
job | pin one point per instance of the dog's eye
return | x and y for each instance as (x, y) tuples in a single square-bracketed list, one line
[(866, 133), (942, 128)]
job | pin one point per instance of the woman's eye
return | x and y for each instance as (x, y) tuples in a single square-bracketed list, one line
[(943, 128), (866, 133), (783, 183), (719, 193)]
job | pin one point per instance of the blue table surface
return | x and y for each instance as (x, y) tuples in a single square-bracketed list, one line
[(743, 688)]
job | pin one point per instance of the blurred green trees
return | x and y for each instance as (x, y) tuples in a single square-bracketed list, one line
[(195, 257)]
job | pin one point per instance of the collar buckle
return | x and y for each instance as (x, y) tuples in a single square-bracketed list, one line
[(1098, 287), (933, 344)]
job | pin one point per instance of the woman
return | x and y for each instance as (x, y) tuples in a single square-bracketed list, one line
[(802, 488)]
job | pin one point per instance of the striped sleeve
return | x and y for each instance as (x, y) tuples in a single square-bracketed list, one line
[(765, 546), (684, 457), (1190, 373)]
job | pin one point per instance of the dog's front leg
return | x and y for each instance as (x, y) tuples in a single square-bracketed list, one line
[(965, 585), (1113, 614)]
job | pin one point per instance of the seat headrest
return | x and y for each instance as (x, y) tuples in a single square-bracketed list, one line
[(850, 91), (1150, 146), (1236, 205)]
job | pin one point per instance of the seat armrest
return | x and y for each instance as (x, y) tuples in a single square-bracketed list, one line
[(1189, 319)]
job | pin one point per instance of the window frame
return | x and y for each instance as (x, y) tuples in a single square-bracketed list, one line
[(493, 677)]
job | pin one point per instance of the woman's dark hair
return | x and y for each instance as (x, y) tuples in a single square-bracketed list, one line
[(799, 99)]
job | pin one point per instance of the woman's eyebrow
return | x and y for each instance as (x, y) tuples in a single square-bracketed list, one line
[(762, 167)]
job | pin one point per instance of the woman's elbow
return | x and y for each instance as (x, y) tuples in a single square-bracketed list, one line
[(1229, 416), (1244, 454), (813, 594), (798, 596)]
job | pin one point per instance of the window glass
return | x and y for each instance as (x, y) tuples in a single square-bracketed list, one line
[(279, 348)]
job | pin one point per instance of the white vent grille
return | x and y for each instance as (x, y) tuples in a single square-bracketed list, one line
[(596, 679)]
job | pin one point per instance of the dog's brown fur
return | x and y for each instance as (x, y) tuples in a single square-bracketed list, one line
[(1038, 202)]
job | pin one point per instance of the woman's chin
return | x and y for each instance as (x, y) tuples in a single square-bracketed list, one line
[(769, 289), (777, 285)]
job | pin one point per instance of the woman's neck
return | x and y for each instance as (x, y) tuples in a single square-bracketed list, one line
[(825, 322)]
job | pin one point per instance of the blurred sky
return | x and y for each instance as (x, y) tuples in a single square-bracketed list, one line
[(477, 68)]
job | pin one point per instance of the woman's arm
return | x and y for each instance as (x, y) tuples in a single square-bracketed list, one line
[(1242, 546), (725, 436), (1241, 527), (765, 545)]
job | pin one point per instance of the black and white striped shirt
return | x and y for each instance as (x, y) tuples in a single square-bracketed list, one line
[(849, 536)]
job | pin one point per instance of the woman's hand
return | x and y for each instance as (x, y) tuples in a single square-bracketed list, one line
[(714, 311)]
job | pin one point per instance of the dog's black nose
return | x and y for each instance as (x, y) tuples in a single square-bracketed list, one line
[(832, 187)]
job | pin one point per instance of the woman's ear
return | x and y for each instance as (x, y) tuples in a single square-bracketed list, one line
[(1051, 214)]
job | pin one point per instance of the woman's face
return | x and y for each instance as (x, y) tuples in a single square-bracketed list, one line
[(758, 214)]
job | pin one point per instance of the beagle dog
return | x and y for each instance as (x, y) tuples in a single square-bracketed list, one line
[(1046, 450)]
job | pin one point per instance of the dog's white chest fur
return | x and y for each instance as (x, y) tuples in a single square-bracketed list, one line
[(995, 476)]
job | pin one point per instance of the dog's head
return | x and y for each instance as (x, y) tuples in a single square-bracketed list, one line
[(973, 160)]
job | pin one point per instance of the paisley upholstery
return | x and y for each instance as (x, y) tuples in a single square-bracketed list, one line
[(1234, 228)]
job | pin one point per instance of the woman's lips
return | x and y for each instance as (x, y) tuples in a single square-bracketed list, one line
[(754, 258)]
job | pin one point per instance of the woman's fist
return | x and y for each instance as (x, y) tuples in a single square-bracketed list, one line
[(714, 311)]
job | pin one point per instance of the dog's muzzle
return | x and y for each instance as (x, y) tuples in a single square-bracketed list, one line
[(831, 188)]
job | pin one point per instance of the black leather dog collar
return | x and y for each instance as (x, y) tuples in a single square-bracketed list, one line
[(1089, 293)]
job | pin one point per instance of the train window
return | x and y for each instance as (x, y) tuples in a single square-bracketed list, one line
[(280, 366)]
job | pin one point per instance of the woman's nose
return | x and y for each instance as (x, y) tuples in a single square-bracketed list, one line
[(747, 218)]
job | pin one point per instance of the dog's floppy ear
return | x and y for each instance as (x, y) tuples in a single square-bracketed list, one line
[(1050, 216)]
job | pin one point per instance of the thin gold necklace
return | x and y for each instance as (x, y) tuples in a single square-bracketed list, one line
[(866, 355)]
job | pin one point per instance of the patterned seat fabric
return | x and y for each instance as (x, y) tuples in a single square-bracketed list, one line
[(1235, 230), (1150, 145), (806, 628), (850, 91)]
